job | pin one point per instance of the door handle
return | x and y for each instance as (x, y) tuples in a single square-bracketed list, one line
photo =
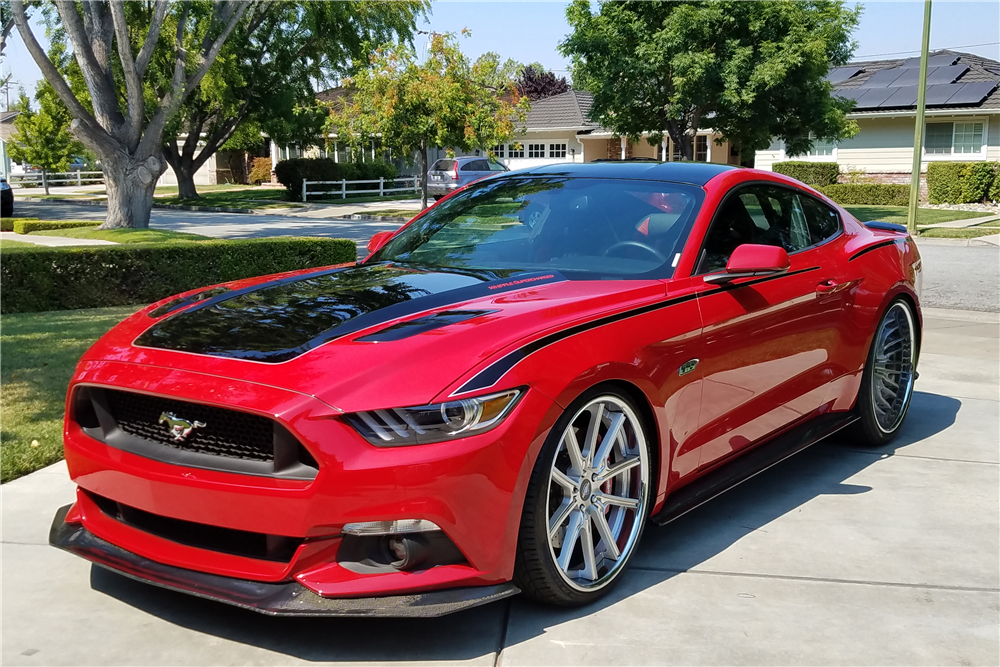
[(828, 287)]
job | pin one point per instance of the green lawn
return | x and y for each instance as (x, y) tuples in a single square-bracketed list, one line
[(124, 235), (233, 198), (39, 353), (960, 233), (393, 212), (362, 199), (898, 214), (16, 244)]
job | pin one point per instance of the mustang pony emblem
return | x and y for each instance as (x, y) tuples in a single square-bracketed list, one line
[(179, 428)]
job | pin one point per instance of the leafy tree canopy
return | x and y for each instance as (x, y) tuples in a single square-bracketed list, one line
[(749, 70), (446, 100), (263, 79)]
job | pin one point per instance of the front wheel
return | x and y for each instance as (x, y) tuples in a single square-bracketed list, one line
[(887, 382), (587, 502)]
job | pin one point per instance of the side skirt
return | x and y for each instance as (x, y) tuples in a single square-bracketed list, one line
[(744, 466)]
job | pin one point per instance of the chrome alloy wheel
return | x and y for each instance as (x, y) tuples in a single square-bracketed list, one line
[(597, 493), (893, 364)]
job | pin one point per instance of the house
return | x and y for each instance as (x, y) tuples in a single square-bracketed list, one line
[(6, 131), (962, 119), (556, 129)]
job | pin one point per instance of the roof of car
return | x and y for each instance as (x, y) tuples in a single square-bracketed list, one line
[(695, 173)]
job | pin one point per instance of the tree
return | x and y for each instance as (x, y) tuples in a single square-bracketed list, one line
[(114, 53), (264, 76), (752, 70), (537, 83), (443, 101), (42, 138)]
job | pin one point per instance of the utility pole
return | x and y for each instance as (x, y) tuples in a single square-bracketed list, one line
[(918, 130)]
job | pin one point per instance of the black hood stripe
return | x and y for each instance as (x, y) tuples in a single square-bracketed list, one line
[(281, 319)]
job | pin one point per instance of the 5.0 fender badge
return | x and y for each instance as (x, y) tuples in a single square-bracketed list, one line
[(179, 428), (687, 367)]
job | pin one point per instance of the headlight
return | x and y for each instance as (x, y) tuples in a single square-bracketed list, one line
[(425, 424)]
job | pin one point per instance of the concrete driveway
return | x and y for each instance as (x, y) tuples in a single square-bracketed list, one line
[(841, 555)]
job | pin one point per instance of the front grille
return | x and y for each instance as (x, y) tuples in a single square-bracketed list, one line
[(244, 543), (227, 433)]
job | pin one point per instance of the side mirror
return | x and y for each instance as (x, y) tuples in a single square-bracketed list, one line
[(378, 240), (751, 259)]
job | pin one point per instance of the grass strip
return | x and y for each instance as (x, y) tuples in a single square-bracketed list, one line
[(40, 351)]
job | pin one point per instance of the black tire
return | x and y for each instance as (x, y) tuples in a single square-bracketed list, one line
[(881, 417), (536, 570), (7, 211)]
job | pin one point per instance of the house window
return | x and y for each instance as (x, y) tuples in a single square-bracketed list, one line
[(701, 148), (498, 150), (557, 150), (953, 138), (821, 147), (516, 150), (536, 150)]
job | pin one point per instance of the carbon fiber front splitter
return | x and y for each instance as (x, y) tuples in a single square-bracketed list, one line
[(282, 599)]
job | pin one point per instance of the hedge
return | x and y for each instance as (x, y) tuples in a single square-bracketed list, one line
[(291, 173), (878, 194), (962, 182), (42, 278), (27, 225), (810, 173)]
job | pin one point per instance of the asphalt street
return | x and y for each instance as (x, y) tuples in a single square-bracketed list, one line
[(955, 276), (840, 555)]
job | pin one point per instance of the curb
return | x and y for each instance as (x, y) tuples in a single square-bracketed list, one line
[(176, 207), (380, 218)]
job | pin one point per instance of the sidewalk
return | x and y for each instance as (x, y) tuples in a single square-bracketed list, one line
[(839, 555), (960, 224), (51, 240)]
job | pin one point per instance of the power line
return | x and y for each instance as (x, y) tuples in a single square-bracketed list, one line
[(900, 53)]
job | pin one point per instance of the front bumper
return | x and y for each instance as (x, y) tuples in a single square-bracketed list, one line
[(274, 599)]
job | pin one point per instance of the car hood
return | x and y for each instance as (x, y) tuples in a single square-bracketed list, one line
[(365, 336)]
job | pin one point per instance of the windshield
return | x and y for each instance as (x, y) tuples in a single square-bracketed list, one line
[(593, 227)]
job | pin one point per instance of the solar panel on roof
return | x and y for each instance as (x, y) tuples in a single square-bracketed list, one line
[(938, 95), (840, 74), (946, 74), (909, 76), (904, 96), (972, 93), (882, 78), (871, 98), (933, 61)]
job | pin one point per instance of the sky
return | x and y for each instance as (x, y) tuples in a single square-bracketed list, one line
[(530, 31)]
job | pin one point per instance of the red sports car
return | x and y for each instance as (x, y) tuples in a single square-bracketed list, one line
[(496, 399)]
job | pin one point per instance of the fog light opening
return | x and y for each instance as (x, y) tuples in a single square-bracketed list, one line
[(408, 552)]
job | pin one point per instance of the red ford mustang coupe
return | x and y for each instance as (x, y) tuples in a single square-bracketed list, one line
[(496, 400)]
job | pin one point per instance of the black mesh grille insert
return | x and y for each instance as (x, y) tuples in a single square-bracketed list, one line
[(219, 431), (200, 535)]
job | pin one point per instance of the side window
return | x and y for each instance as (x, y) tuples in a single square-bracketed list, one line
[(734, 225), (496, 166), (822, 221)]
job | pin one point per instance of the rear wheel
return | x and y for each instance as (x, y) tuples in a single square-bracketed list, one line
[(887, 382), (587, 502)]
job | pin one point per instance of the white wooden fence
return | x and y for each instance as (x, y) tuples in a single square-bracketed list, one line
[(381, 190), (72, 177)]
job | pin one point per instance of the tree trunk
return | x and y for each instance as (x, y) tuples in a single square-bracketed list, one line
[(184, 170), (130, 187), (45, 179), (423, 173)]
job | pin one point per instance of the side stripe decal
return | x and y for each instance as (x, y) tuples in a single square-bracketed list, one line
[(492, 374), (872, 247)]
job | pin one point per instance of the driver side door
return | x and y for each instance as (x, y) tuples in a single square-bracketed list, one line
[(766, 347)]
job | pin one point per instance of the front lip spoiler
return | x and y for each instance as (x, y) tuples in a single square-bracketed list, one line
[(280, 599)]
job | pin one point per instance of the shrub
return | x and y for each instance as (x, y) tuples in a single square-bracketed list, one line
[(878, 194), (28, 225), (994, 193), (291, 173), (976, 180), (41, 278), (960, 182), (260, 172), (810, 173)]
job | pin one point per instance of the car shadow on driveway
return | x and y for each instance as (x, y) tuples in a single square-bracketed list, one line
[(667, 551)]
